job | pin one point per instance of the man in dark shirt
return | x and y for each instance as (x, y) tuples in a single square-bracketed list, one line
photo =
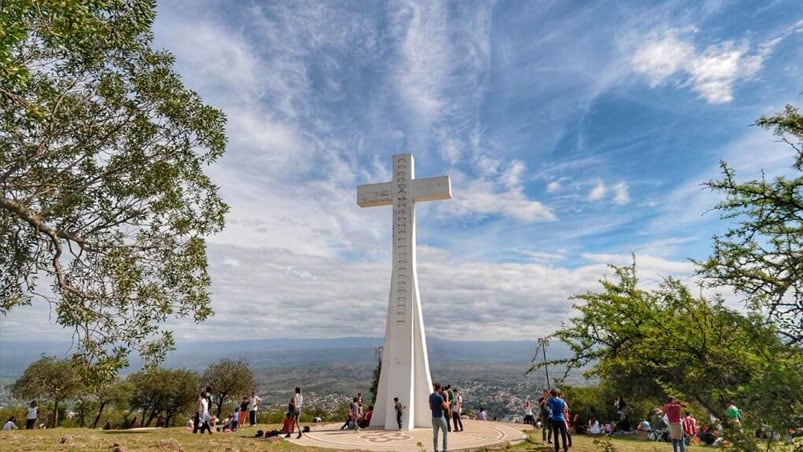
[(438, 407)]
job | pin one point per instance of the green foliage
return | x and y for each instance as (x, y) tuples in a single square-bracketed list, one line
[(665, 342), (115, 394), (104, 198), (49, 378), (762, 256), (164, 392), (372, 391), (604, 444), (230, 381)]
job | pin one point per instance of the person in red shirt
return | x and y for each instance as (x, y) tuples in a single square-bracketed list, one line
[(672, 410), (689, 425)]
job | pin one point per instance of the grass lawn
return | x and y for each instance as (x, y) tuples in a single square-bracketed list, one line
[(179, 439)]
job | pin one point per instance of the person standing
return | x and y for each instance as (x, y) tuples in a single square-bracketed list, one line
[(243, 410), (457, 410), (557, 406), (397, 405), (546, 417), (235, 418), (354, 414), (203, 413), (294, 408), (569, 425), (33, 413), (438, 406), (672, 411), (528, 413), (253, 406), (734, 416), (446, 393)]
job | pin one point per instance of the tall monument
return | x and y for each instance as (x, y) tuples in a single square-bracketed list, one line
[(405, 365)]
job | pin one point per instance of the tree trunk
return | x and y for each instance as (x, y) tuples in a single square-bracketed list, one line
[(220, 404), (55, 413), (97, 417)]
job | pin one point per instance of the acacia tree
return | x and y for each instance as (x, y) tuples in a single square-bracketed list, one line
[(230, 380), (104, 198), (49, 378), (651, 344), (762, 256)]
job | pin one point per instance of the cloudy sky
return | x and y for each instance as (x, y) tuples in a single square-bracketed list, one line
[(575, 133)]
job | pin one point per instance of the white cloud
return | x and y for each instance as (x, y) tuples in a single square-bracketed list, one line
[(511, 178), (425, 56), (620, 193), (553, 187), (661, 58), (459, 298), (712, 72), (597, 192), (483, 197)]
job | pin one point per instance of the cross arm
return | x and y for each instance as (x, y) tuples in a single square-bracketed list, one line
[(432, 189), (373, 195)]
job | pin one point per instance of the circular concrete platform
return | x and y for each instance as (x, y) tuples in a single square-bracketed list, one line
[(475, 435)]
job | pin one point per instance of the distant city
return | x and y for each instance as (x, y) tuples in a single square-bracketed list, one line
[(331, 371)]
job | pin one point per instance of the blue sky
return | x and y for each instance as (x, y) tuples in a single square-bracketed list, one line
[(575, 133)]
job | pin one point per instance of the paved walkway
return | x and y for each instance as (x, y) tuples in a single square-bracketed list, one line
[(476, 435)]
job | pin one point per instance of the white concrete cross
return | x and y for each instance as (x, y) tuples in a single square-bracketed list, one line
[(405, 365)]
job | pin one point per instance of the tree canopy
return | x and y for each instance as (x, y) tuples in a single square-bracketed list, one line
[(762, 256), (105, 205), (650, 344), (163, 392), (230, 381), (49, 378)]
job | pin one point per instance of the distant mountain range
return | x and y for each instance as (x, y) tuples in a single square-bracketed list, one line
[(290, 353)]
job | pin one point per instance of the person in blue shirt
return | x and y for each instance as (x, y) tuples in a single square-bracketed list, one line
[(438, 407), (557, 405)]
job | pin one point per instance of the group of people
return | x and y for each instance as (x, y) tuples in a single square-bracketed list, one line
[(204, 421), (445, 403), (357, 418), (30, 418)]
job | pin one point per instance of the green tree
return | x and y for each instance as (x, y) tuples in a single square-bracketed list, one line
[(762, 256), (102, 152), (375, 376), (49, 378), (115, 393), (666, 342), (163, 392), (230, 380)]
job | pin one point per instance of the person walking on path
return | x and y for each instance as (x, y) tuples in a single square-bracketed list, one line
[(557, 405), (253, 406), (438, 406), (294, 408), (672, 411)]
